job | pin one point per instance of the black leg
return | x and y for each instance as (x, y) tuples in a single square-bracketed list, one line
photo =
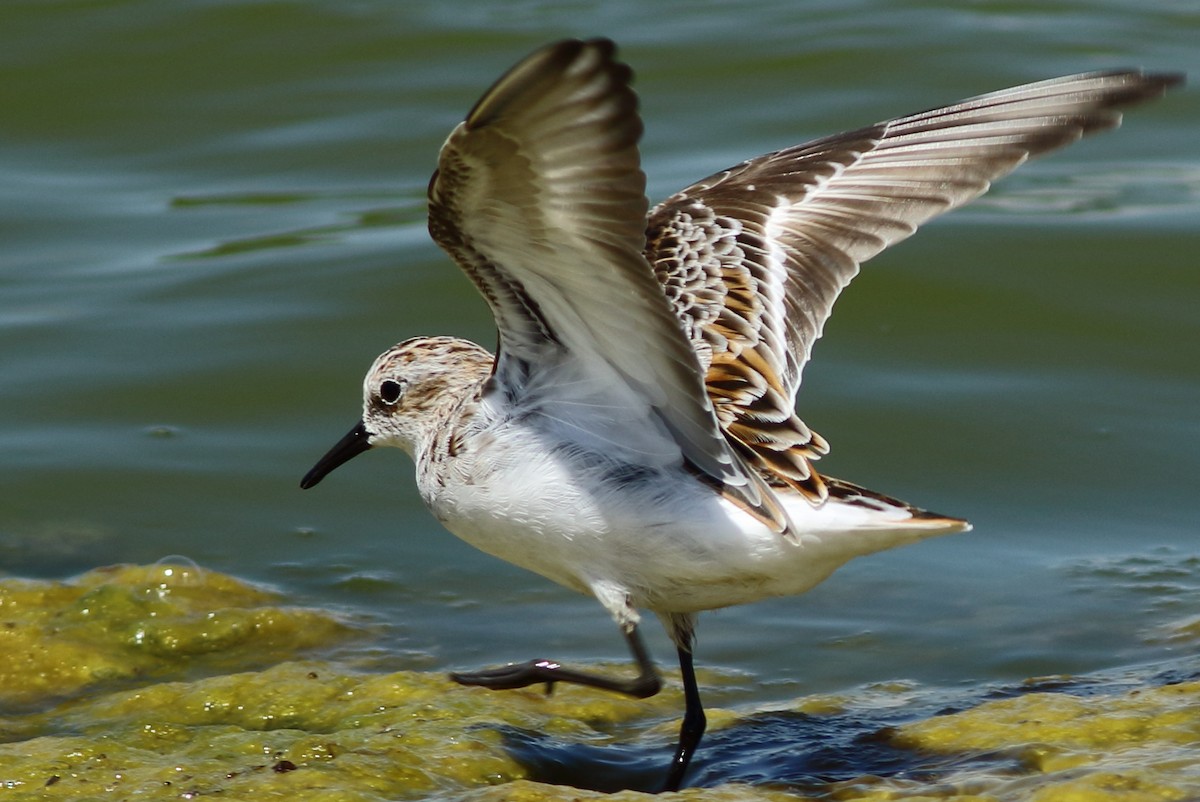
[(536, 672), (692, 728)]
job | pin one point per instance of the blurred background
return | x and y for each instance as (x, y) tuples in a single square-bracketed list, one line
[(212, 220)]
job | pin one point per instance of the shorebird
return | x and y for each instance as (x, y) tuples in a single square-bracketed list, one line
[(634, 438)]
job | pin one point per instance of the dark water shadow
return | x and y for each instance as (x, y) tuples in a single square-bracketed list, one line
[(803, 752), (782, 749)]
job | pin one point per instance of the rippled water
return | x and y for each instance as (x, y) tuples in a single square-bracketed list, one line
[(212, 217)]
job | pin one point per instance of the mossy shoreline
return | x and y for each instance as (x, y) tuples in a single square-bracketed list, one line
[(171, 682)]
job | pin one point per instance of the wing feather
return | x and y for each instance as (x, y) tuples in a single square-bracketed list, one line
[(539, 196), (792, 228)]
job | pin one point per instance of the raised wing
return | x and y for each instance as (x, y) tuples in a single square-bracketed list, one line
[(753, 258), (540, 198)]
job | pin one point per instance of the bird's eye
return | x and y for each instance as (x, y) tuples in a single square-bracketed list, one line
[(390, 391)]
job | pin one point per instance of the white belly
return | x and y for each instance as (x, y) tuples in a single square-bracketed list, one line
[(662, 538)]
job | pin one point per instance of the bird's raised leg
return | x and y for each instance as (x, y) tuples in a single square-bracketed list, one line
[(535, 672), (694, 722)]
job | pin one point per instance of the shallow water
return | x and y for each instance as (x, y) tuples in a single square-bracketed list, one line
[(212, 219)]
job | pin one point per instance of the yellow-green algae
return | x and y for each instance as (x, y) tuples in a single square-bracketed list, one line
[(1140, 744), (297, 728), (98, 678), (125, 623)]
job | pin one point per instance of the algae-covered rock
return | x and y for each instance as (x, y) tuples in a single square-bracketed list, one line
[(167, 682), (136, 622), (84, 670), (1134, 746), (293, 729), (296, 730)]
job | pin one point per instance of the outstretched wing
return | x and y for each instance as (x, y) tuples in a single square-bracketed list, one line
[(540, 198), (753, 258)]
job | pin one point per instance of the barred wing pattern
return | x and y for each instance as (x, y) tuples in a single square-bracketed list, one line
[(753, 258)]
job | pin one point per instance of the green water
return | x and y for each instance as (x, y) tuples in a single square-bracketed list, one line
[(212, 219)]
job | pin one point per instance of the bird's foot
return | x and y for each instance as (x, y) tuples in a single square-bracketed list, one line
[(511, 676), (536, 672)]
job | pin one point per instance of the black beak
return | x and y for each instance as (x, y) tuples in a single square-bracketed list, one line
[(354, 443)]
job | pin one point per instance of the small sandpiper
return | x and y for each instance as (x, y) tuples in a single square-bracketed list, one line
[(634, 438)]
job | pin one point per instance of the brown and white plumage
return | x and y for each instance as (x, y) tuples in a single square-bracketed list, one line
[(754, 257), (545, 171), (635, 437)]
